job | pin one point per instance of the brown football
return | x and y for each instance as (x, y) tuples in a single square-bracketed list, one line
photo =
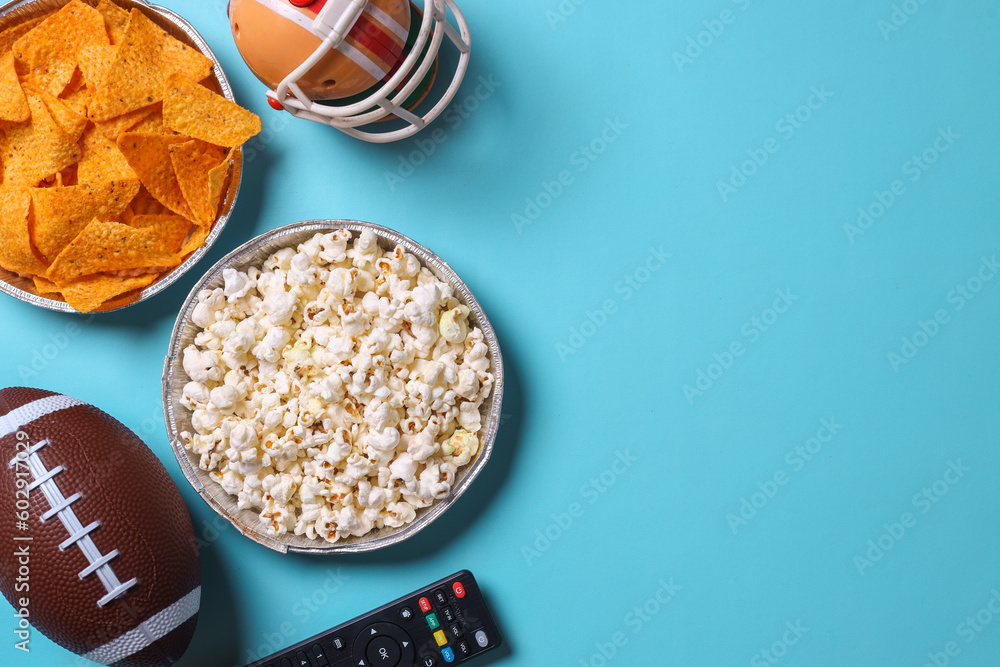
[(101, 555)]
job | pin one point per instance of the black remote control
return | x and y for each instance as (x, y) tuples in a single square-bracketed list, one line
[(444, 623)]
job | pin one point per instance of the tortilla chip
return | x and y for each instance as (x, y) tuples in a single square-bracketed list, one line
[(196, 111), (88, 294), (13, 103), (110, 246), (46, 287), (197, 240), (52, 49), (186, 61), (115, 20), (137, 74), (14, 33), (16, 254), (173, 230), (146, 204), (117, 126), (32, 151), (153, 123), (193, 163), (149, 156), (102, 161), (94, 62), (69, 116), (61, 213)]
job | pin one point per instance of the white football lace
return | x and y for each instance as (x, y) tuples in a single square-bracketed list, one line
[(79, 534)]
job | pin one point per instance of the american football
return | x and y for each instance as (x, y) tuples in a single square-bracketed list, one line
[(104, 559)]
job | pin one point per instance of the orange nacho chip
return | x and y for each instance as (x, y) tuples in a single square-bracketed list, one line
[(146, 204), (87, 294), (33, 151), (110, 246), (196, 111), (193, 163), (119, 125), (46, 287), (62, 212), (138, 71), (13, 103), (197, 240), (69, 116), (14, 33), (115, 19), (52, 49), (102, 161), (149, 156), (16, 254), (153, 123), (173, 229)]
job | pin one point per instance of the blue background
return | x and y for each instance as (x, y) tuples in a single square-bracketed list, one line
[(579, 394)]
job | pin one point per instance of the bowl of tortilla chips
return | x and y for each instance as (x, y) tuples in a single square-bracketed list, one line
[(120, 151)]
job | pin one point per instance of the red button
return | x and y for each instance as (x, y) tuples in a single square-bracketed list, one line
[(425, 605), (302, 3), (275, 104), (459, 589)]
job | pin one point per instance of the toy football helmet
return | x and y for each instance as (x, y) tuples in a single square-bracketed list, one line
[(349, 63)]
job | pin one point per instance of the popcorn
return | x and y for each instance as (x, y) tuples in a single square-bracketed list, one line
[(335, 390)]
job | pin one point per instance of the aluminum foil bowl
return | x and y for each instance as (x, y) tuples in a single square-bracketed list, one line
[(178, 417), (13, 13)]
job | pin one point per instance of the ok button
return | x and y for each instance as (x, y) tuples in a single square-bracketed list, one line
[(383, 652)]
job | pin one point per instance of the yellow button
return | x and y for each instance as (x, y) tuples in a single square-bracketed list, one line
[(440, 638)]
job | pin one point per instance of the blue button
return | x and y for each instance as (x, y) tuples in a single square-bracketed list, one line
[(448, 654)]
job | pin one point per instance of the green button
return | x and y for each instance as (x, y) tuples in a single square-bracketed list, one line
[(432, 621)]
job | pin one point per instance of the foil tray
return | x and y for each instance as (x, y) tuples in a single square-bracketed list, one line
[(178, 418), (13, 13)]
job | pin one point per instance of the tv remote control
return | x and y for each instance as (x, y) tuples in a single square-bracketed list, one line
[(444, 623)]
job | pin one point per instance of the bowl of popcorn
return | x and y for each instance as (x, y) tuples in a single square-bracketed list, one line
[(332, 387)]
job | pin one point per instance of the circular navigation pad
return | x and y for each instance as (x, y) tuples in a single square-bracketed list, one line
[(383, 652), (383, 645)]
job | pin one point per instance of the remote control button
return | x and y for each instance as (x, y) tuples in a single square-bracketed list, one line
[(456, 630), (463, 648), (432, 621), (425, 605), (481, 638), (429, 662), (448, 654), (440, 638), (339, 643), (320, 655), (440, 598), (459, 589), (449, 615), (383, 652), (382, 645), (406, 613), (301, 660)]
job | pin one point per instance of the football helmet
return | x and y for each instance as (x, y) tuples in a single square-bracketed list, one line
[(351, 63)]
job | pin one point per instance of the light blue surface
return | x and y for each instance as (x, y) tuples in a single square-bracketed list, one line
[(667, 525)]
